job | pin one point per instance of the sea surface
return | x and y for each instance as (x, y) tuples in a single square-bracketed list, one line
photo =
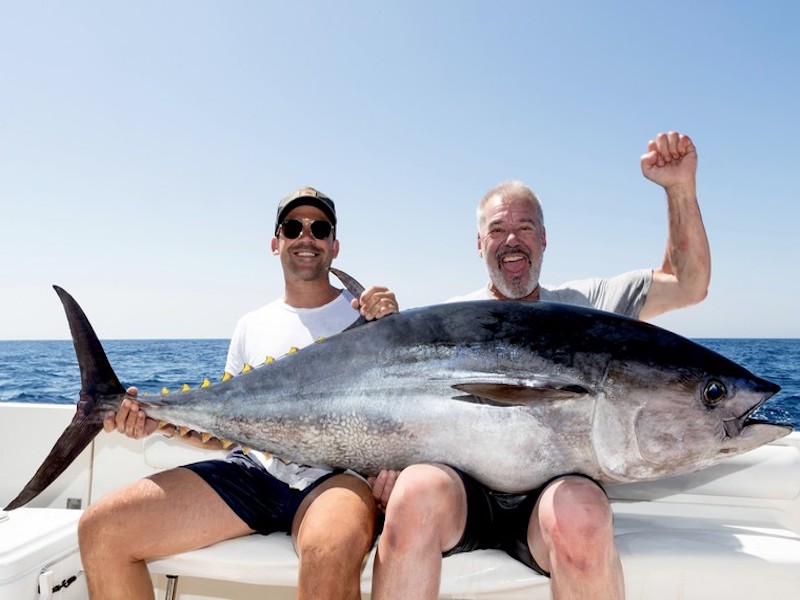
[(47, 371)]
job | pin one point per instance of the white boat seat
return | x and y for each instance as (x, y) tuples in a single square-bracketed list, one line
[(683, 556), (271, 560), (726, 532)]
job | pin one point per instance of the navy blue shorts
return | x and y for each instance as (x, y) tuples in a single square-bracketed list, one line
[(498, 521), (265, 503)]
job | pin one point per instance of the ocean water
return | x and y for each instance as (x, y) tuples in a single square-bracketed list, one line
[(47, 371)]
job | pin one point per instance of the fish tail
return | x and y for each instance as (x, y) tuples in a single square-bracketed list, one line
[(100, 392)]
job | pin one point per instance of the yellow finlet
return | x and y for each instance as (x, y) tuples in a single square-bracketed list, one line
[(162, 424), (205, 383), (246, 368), (268, 360), (183, 431), (226, 444), (205, 436), (245, 449), (164, 391), (185, 387), (292, 350), (226, 376), (319, 339)]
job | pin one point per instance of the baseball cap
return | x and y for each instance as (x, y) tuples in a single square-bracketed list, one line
[(306, 196)]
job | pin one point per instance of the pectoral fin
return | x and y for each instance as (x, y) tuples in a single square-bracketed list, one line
[(516, 394)]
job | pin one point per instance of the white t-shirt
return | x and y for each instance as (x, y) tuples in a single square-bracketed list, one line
[(272, 331), (624, 294)]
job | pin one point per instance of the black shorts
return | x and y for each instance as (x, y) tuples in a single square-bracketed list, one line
[(264, 502), (498, 521)]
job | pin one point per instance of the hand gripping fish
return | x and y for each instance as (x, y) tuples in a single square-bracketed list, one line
[(513, 393)]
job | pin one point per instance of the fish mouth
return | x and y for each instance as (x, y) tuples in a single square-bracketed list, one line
[(734, 426)]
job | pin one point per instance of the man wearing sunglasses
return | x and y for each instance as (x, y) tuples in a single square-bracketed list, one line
[(564, 529), (330, 514)]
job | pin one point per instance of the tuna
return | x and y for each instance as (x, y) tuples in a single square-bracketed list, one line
[(513, 393)]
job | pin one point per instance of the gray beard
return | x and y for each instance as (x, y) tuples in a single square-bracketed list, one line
[(516, 287)]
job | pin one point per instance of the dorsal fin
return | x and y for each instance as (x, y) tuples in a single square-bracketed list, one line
[(352, 286)]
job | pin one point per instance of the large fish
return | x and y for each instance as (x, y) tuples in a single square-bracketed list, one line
[(513, 393)]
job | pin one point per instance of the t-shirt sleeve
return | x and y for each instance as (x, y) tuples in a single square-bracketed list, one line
[(235, 361), (624, 294)]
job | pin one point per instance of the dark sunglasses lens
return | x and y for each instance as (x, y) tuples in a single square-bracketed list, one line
[(321, 229), (292, 229)]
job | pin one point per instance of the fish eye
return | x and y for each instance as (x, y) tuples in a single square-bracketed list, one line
[(714, 392)]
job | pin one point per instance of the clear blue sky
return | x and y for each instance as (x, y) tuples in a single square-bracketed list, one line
[(144, 147)]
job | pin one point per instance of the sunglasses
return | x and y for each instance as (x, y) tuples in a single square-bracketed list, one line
[(293, 228)]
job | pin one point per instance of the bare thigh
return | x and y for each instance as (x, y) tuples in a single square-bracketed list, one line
[(169, 512)]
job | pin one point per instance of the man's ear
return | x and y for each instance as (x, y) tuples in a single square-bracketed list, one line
[(480, 246), (274, 246), (335, 248)]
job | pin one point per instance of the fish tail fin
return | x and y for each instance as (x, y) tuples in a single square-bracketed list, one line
[(100, 392), (97, 376)]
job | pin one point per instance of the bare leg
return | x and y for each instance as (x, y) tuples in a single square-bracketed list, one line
[(333, 532), (571, 536), (170, 512), (426, 514)]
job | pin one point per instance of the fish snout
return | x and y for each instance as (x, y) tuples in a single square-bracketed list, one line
[(768, 389)]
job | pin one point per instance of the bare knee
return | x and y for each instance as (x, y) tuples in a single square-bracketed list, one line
[(427, 506), (94, 527), (112, 528), (88, 530), (576, 524), (337, 527), (338, 546)]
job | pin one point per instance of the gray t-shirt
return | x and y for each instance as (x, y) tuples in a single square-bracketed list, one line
[(624, 294)]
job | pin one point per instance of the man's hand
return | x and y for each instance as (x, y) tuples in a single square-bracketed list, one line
[(382, 485), (131, 421), (671, 159), (376, 302)]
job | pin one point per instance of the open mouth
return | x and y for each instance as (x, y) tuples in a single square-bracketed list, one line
[(514, 263), (735, 425)]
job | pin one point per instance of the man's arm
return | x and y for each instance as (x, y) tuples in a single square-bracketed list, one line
[(683, 278)]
